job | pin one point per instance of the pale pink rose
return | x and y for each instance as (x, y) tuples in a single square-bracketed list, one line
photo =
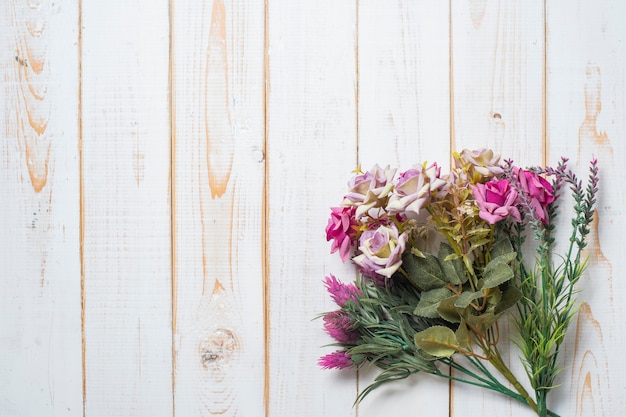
[(381, 251), (410, 194), (481, 165), (365, 190), (496, 201), (413, 189)]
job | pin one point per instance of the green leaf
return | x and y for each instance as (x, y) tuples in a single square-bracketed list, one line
[(438, 341), (448, 311), (466, 298), (504, 259), (451, 265), (425, 272), (494, 297), (501, 247), (495, 273), (483, 321), (510, 296), (429, 301), (463, 335)]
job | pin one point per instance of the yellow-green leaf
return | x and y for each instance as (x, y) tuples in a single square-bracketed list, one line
[(438, 341)]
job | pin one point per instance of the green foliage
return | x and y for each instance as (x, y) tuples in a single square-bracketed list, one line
[(548, 306), (438, 341)]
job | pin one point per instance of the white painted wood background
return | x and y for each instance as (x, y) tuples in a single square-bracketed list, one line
[(167, 168)]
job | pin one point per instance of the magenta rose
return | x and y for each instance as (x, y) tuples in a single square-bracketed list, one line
[(381, 251), (538, 189), (496, 201), (341, 229)]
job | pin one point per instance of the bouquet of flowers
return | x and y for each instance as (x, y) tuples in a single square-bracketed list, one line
[(441, 260)]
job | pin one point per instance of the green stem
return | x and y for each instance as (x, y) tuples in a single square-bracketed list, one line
[(488, 382), (496, 360), (542, 403)]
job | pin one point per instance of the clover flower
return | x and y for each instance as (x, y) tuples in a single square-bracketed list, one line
[(341, 293), (340, 326), (337, 360)]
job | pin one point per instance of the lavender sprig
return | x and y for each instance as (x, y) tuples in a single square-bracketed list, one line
[(548, 307)]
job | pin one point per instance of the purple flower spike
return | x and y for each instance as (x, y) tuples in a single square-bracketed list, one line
[(336, 360), (341, 293), (339, 325)]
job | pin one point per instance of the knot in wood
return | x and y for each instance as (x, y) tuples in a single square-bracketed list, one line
[(218, 349)]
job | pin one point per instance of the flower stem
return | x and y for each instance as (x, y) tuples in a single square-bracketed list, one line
[(496, 360)]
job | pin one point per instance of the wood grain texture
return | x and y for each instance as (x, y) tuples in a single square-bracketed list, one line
[(218, 71), (497, 77), (497, 82), (126, 203), (585, 95), (177, 161), (311, 151), (404, 119), (40, 353)]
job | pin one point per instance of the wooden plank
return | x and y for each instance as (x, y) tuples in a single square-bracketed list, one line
[(311, 151), (497, 84), (126, 204), (40, 340), (404, 120), (218, 90), (586, 64)]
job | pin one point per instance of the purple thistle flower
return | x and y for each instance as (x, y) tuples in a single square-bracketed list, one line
[(341, 293), (337, 360), (340, 325)]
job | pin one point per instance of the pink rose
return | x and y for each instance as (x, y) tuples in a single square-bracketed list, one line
[(496, 201), (538, 189), (341, 229), (381, 251)]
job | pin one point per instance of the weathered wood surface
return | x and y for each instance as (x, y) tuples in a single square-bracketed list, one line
[(167, 169)]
